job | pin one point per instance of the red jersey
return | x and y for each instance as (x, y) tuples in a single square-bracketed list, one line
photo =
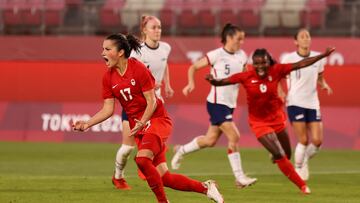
[(263, 101), (129, 88)]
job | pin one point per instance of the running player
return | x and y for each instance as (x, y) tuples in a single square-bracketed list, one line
[(266, 115), (221, 101), (130, 82), (303, 104), (154, 54)]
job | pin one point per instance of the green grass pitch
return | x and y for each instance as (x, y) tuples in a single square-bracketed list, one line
[(81, 172)]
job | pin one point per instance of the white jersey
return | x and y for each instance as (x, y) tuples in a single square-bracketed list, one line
[(225, 64), (155, 59), (302, 83)]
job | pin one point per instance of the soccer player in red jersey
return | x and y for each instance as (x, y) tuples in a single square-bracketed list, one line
[(154, 54), (130, 82), (266, 114)]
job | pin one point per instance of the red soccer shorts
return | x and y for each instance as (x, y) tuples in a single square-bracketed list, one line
[(261, 128), (153, 137), (161, 127), (153, 143)]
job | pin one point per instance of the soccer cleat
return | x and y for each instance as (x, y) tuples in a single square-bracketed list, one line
[(175, 161), (303, 171), (213, 192), (120, 184), (141, 175), (305, 190), (244, 181)]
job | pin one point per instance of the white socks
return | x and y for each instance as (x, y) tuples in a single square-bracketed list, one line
[(122, 156), (235, 162), (311, 150), (300, 150), (303, 153), (189, 147)]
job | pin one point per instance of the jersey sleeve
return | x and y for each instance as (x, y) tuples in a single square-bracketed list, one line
[(237, 78), (167, 47), (106, 92), (284, 69), (322, 63), (212, 56), (147, 81)]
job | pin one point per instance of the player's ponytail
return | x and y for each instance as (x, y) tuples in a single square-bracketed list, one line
[(126, 43), (263, 53), (229, 30), (134, 44)]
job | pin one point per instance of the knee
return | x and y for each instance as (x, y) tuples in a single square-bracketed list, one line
[(234, 140), (304, 140), (210, 142), (166, 178), (125, 150), (317, 142), (141, 162)]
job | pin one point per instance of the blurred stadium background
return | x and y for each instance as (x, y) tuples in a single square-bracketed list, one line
[(51, 70), (181, 17)]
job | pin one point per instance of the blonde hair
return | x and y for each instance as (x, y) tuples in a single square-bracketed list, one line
[(144, 20)]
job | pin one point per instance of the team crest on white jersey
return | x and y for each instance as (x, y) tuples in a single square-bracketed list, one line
[(263, 88), (132, 81)]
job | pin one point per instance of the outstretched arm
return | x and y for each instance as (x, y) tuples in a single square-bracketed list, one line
[(221, 82), (106, 111), (311, 60)]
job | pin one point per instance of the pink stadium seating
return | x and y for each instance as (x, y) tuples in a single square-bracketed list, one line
[(12, 14), (168, 14), (33, 12), (314, 14), (54, 12), (74, 2), (207, 14), (335, 3), (207, 19), (110, 15), (2, 4), (188, 19), (228, 12), (249, 13)]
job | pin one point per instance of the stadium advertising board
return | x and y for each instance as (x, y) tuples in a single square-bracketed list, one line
[(39, 99)]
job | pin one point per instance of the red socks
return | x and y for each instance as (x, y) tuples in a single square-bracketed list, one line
[(288, 170), (152, 177), (174, 181), (183, 183)]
